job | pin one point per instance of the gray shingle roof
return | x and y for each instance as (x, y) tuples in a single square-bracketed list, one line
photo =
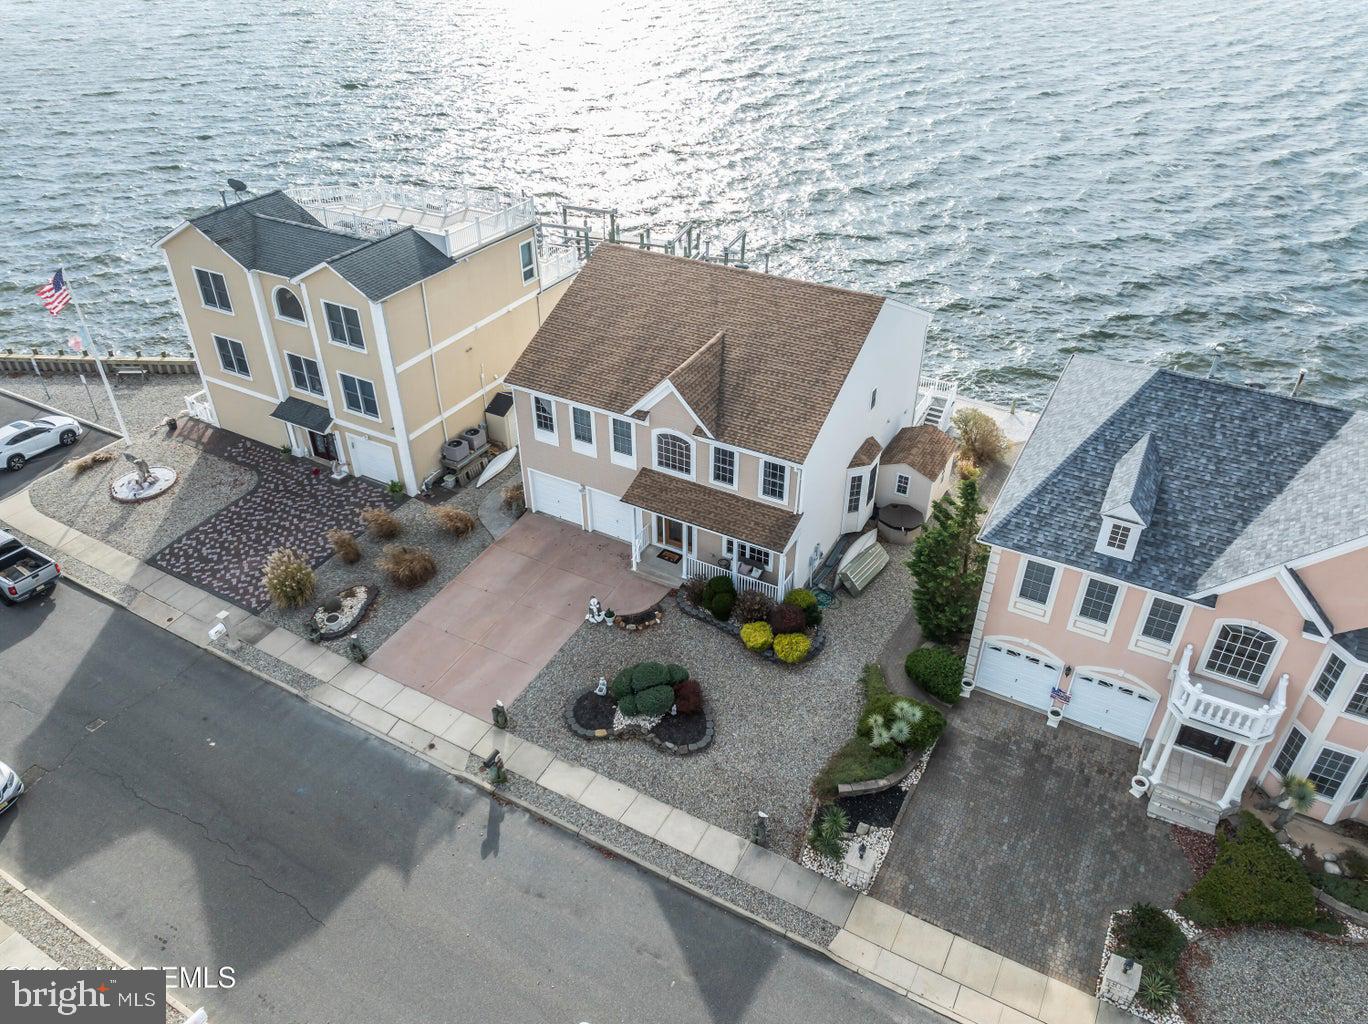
[(273, 233), (1134, 483), (1246, 480), (1355, 641)]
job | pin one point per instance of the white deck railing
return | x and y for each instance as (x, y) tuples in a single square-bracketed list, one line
[(1192, 702), (928, 391), (557, 263), (696, 567), (199, 406)]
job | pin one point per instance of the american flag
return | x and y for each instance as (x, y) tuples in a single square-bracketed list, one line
[(55, 294)]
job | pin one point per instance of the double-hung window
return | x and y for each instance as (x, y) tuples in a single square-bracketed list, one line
[(544, 416), (856, 489), (1330, 771), (304, 374), (344, 325), (582, 430), (1099, 601), (359, 396), (1287, 756), (1162, 621), (527, 260), (232, 356), (624, 445), (1358, 703), (1329, 676), (674, 454), (774, 481), (723, 466), (213, 290), (1242, 653), (904, 482), (1037, 581)]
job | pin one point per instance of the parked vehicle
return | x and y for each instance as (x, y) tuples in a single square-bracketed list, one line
[(23, 439), (11, 786), (24, 572)]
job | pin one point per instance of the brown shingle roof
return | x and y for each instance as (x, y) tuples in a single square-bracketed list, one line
[(631, 318), (699, 381), (865, 454), (925, 448), (754, 522)]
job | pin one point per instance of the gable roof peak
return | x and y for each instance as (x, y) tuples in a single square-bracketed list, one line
[(1134, 483)]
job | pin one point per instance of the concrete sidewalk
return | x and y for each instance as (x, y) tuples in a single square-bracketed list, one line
[(942, 971)]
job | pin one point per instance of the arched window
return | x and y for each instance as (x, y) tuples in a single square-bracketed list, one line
[(674, 454), (287, 305), (1241, 652)]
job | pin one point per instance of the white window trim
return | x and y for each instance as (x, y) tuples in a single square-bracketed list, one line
[(736, 467), (621, 459), (1150, 647), (1270, 672), (1282, 742), (342, 390), (760, 481), (1091, 627), (1339, 690), (1029, 609), (327, 328), (693, 454), (529, 273), (551, 436), (289, 372), (1132, 538), (195, 272), (1346, 788), (275, 308), (219, 356), (589, 447)]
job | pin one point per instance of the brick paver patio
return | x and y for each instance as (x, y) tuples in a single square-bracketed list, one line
[(496, 625), (1024, 839), (289, 507)]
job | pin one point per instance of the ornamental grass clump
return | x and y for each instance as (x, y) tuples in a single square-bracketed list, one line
[(1158, 989), (344, 545), (407, 567), (88, 462), (455, 521), (380, 523), (828, 832), (288, 578)]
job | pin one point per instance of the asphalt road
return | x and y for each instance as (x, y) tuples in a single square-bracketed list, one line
[(189, 814), (12, 409)]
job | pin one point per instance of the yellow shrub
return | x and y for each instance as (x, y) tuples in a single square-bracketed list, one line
[(792, 647), (757, 636)]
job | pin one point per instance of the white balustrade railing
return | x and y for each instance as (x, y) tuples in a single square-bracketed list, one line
[(199, 406), (557, 263), (695, 567), (1191, 702), (492, 225)]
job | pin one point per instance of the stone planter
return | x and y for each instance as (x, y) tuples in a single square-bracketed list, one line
[(344, 623), (636, 621)]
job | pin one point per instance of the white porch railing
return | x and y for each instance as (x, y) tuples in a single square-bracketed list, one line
[(199, 406), (491, 225), (557, 263), (639, 544), (936, 394), (695, 567), (1190, 701)]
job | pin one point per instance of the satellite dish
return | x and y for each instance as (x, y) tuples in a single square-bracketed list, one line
[(236, 185)]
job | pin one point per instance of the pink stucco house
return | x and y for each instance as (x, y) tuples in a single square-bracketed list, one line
[(1182, 563)]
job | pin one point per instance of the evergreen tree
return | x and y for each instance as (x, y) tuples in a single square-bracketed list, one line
[(948, 564)]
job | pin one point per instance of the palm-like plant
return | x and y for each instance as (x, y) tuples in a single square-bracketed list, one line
[(1297, 797), (828, 832)]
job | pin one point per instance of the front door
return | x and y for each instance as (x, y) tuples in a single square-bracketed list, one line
[(323, 446), (670, 533)]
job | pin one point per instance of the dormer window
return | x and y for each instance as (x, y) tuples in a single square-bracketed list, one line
[(1117, 539), (1130, 500)]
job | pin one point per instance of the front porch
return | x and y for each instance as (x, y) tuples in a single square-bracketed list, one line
[(1212, 735)]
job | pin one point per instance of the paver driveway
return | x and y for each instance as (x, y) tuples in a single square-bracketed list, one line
[(1024, 839), (491, 629)]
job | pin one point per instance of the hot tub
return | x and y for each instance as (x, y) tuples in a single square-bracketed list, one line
[(899, 524)]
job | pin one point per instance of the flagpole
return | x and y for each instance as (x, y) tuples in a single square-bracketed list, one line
[(99, 363)]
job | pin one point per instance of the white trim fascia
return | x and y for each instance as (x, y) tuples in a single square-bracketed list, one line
[(1299, 599), (267, 335), (1300, 562), (432, 350), (232, 309), (666, 387), (238, 388), (1151, 648), (318, 355), (981, 612), (185, 322), (160, 243), (475, 396), (392, 389), (1091, 627), (189, 224), (908, 306), (299, 278)]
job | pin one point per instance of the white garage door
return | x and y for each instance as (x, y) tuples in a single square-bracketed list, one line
[(1021, 675), (1110, 706), (610, 516), (556, 497), (371, 459)]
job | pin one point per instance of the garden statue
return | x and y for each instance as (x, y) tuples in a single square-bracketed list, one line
[(596, 612), (494, 764), (674, 709), (143, 483), (500, 715), (355, 651), (760, 829), (602, 688), (141, 467)]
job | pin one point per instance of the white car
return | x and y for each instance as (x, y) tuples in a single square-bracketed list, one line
[(23, 439), (10, 786)]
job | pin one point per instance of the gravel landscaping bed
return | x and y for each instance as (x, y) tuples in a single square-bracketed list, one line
[(143, 405), (207, 485), (775, 726), (394, 607), (1278, 976)]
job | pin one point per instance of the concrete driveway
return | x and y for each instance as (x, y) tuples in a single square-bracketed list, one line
[(12, 409), (496, 625), (1024, 839)]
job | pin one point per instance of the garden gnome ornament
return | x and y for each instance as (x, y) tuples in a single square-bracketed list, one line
[(500, 715), (596, 613), (602, 688)]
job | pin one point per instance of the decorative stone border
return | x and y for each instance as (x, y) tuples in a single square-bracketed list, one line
[(818, 636), (650, 623), (913, 764), (372, 592), (1342, 908), (636, 733)]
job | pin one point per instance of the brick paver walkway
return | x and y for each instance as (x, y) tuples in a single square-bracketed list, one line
[(1024, 839), (289, 507)]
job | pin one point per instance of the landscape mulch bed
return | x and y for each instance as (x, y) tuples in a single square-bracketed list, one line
[(879, 810), (681, 729), (594, 712)]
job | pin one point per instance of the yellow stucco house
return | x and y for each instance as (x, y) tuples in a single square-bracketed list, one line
[(363, 329)]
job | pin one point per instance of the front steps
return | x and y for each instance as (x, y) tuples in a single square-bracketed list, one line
[(1179, 808)]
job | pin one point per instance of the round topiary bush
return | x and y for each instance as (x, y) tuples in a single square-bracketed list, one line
[(787, 618), (792, 648), (938, 671), (719, 595), (721, 607), (655, 701), (647, 688), (757, 636), (676, 673)]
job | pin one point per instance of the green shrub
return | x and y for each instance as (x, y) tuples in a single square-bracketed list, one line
[(752, 606), (1158, 988), (801, 597), (1149, 935), (621, 685), (627, 704), (721, 607), (791, 648), (1354, 863), (787, 618), (857, 761), (689, 697), (1352, 891), (757, 636), (828, 832), (649, 674), (655, 701), (1253, 881), (882, 704), (719, 585), (676, 674), (288, 578), (719, 595), (938, 671)]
